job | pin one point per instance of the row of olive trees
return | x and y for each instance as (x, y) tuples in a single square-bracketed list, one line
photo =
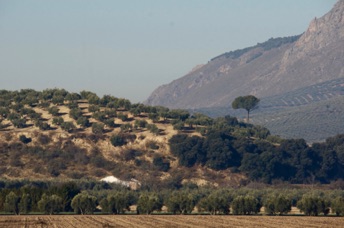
[(82, 203), (184, 201)]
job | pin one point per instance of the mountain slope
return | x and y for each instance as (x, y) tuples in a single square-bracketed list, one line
[(315, 57)]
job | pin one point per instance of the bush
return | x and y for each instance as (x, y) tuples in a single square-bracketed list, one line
[(152, 145), (83, 121), (153, 129), (110, 122), (161, 164), (131, 154), (58, 120), (98, 128), (68, 126), (118, 140), (54, 111), (42, 125), (24, 139), (93, 108), (75, 113), (19, 123)]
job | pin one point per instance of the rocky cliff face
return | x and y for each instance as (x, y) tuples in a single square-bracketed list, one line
[(271, 68)]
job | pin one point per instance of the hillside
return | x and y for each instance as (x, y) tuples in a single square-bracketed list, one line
[(280, 68), (57, 134)]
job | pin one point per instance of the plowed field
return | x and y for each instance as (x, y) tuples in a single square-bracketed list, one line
[(89, 221)]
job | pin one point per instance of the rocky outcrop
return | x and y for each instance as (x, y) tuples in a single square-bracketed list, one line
[(271, 68)]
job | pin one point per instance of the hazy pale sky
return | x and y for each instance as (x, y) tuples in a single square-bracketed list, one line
[(127, 48)]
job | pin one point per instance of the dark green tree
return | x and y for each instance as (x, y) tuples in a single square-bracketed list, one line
[(50, 204), (337, 206), (12, 203), (249, 103), (83, 203), (25, 204), (180, 202), (277, 205), (311, 205), (116, 203), (149, 202), (217, 202), (245, 205)]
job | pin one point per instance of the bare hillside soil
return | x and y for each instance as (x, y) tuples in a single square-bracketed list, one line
[(90, 221)]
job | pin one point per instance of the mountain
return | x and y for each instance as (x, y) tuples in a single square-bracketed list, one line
[(269, 70), (274, 67)]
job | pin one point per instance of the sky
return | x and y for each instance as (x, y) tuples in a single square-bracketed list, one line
[(127, 48)]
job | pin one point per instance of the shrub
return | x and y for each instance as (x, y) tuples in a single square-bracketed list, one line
[(123, 117), (118, 140), (54, 111), (126, 127), (42, 125), (98, 128), (24, 139), (140, 123), (93, 108), (83, 121), (68, 126), (19, 123), (160, 164), (153, 129), (75, 113), (131, 154), (152, 145), (110, 122), (58, 120)]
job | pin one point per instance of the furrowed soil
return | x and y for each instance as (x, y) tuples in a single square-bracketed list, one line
[(89, 221)]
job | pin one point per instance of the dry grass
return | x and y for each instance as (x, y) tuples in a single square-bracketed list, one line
[(90, 221)]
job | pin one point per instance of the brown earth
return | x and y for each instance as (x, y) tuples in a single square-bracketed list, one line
[(151, 221)]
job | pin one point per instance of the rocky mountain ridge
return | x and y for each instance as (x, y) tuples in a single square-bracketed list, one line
[(314, 57)]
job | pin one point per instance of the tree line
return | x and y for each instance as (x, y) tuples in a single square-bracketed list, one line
[(291, 160), (88, 197)]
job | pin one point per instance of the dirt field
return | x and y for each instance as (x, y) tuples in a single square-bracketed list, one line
[(87, 221)]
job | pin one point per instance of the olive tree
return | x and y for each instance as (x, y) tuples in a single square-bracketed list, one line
[(50, 204), (83, 203), (245, 205), (149, 202), (12, 203)]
